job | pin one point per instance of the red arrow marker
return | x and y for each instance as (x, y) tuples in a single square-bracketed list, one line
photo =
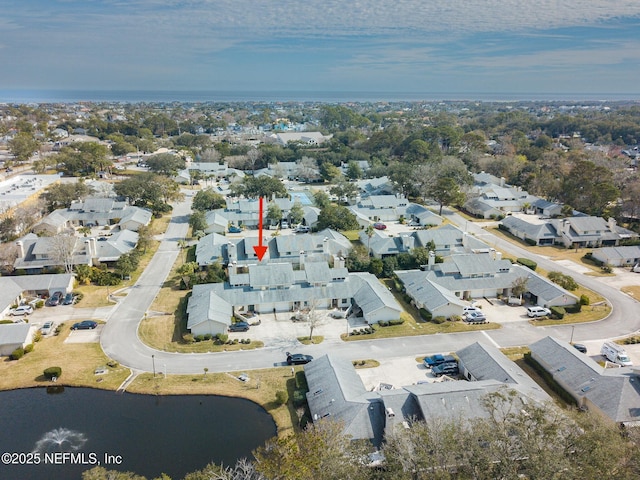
[(260, 249)]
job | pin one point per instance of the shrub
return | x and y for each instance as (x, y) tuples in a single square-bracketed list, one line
[(235, 341), (558, 312), (222, 337), (425, 314), (17, 354), (39, 303), (565, 281), (530, 241), (199, 338), (607, 268), (397, 321), (299, 398), (28, 348), (575, 308), (382, 323), (208, 336), (37, 337), (455, 318), (188, 338), (282, 397), (439, 319), (2, 322), (51, 372), (527, 263), (584, 300)]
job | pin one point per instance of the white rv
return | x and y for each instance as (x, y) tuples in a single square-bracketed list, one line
[(615, 353)]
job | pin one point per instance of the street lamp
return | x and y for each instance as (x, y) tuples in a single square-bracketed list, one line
[(572, 329), (153, 362)]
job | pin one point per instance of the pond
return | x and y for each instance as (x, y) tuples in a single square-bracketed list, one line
[(145, 434)]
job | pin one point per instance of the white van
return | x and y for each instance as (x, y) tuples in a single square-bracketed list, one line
[(615, 353), (536, 311)]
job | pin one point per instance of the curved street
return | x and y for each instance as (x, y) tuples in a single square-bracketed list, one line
[(120, 340)]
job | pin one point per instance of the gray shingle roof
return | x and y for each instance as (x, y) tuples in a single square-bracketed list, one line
[(616, 392), (14, 333)]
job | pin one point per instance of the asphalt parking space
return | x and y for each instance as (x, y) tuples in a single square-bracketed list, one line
[(397, 372)]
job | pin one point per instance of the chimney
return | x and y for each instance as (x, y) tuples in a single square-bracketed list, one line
[(87, 248), (432, 260), (498, 256), (325, 245), (338, 261), (612, 224), (94, 246), (301, 259), (232, 255), (407, 242), (20, 246), (502, 180), (465, 240)]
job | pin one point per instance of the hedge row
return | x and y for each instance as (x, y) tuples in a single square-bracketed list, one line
[(548, 378), (527, 263)]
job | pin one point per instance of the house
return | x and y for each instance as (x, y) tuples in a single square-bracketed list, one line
[(93, 212), (589, 231), (540, 232), (441, 288), (492, 197), (36, 254), (444, 241), (375, 186), (15, 335), (308, 138), (17, 289), (612, 392), (618, 256), (337, 392), (277, 287), (381, 208), (324, 245)]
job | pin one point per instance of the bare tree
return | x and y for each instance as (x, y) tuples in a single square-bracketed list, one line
[(314, 318), (8, 256), (62, 248), (210, 155)]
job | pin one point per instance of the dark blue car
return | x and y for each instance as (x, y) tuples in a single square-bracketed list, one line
[(438, 359), (84, 325)]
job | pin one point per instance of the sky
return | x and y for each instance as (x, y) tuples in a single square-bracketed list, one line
[(438, 46)]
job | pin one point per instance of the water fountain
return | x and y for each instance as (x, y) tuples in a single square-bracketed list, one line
[(60, 440)]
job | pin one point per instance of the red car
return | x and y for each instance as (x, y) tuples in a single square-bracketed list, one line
[(379, 226)]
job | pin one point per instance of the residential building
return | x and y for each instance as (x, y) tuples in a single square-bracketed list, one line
[(618, 256), (612, 392), (442, 288), (588, 231), (277, 287), (325, 244), (15, 335), (337, 392), (20, 288)]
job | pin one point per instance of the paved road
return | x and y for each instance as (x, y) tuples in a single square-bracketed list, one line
[(120, 341)]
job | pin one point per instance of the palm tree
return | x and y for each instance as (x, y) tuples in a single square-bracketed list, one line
[(369, 231)]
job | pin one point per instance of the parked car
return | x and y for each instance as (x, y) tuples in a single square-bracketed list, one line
[(47, 328), (475, 317), (68, 299), (379, 226), (21, 310), (580, 347), (302, 229), (438, 359), (445, 369), (298, 359), (239, 327), (538, 312), (234, 229), (54, 299), (84, 325), (284, 225)]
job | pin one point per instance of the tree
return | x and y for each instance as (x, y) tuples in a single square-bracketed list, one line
[(23, 146), (61, 249), (447, 192), (314, 318), (166, 164), (344, 190), (149, 189), (354, 171), (337, 217), (127, 264), (296, 214), (274, 214), (321, 451), (207, 199), (321, 199), (329, 171), (370, 231), (62, 195), (83, 158), (254, 187), (198, 221)]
